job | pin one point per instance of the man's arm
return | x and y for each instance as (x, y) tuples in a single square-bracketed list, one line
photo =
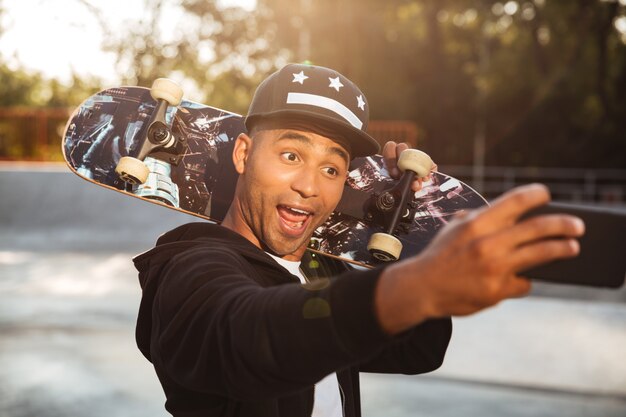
[(419, 350), (214, 329), (473, 263)]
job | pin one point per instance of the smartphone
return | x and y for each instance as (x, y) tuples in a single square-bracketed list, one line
[(602, 258)]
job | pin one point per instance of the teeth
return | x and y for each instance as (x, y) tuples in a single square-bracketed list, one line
[(299, 211)]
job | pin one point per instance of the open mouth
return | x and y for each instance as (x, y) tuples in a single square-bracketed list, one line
[(294, 219)]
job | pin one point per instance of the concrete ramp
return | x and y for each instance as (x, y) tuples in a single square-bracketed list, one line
[(46, 207)]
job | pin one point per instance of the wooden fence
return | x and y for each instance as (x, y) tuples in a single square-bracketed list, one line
[(32, 134)]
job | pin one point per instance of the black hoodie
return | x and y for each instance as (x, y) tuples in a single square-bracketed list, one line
[(231, 333)]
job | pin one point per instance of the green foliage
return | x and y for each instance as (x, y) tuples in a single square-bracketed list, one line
[(224, 51), (545, 78), (20, 88)]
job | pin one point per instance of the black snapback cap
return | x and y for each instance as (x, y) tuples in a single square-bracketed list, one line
[(317, 94)]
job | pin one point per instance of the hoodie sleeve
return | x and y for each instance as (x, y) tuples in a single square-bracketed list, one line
[(214, 329), (419, 350)]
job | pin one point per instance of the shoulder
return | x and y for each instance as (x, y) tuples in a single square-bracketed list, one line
[(203, 252), (207, 242), (208, 258), (201, 273)]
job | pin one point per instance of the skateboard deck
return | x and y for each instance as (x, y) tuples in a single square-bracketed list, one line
[(200, 178)]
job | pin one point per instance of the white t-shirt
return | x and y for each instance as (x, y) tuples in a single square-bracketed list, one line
[(327, 401)]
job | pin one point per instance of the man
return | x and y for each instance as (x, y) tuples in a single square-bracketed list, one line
[(234, 329)]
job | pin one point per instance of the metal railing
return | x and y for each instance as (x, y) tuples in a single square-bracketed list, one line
[(589, 186)]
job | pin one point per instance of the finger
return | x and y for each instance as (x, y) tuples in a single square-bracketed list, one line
[(389, 150), (390, 158), (417, 185), (506, 209), (544, 251), (401, 147), (540, 227), (517, 287)]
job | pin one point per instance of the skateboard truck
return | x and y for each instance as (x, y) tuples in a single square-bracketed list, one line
[(384, 246), (159, 137), (159, 185), (151, 169)]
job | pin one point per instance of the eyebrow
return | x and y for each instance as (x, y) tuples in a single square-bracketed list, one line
[(305, 139)]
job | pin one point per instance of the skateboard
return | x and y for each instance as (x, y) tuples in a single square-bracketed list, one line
[(151, 144)]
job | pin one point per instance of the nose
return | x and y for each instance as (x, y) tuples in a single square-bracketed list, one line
[(306, 182)]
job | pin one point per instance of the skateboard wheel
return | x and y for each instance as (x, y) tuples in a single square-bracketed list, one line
[(132, 170), (384, 247), (168, 90), (416, 161)]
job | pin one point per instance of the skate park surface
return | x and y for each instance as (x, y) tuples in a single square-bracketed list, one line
[(69, 297)]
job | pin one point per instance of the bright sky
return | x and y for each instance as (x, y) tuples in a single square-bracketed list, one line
[(58, 36)]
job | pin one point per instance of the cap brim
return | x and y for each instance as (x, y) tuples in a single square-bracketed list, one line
[(361, 144)]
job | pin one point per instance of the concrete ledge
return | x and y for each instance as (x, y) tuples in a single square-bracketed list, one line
[(49, 208)]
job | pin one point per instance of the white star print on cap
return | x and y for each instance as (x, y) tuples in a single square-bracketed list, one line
[(299, 77), (335, 83), (360, 102)]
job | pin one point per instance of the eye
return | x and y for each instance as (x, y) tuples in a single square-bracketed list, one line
[(289, 156), (333, 172)]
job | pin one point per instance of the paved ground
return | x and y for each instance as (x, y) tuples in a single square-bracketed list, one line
[(69, 295), (400, 396)]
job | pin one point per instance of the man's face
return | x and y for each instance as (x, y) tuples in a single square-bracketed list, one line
[(291, 180)]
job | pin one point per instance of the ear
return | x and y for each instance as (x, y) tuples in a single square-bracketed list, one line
[(241, 151)]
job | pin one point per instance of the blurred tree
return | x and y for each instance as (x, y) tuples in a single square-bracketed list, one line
[(18, 87), (539, 82), (22, 87), (23, 96), (543, 79), (30, 127), (222, 52), (573, 111)]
